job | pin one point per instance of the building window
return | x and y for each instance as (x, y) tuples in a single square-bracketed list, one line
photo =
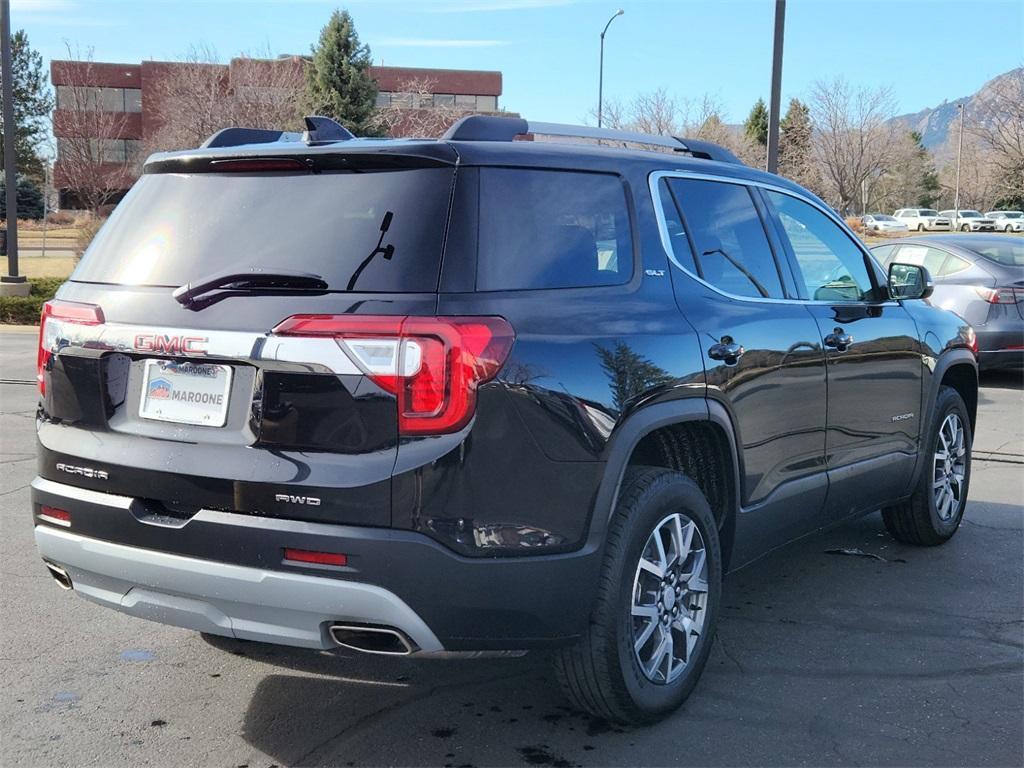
[(383, 99), (89, 98), (487, 103), (444, 100), (467, 102)]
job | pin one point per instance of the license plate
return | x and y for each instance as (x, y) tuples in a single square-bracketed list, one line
[(186, 393)]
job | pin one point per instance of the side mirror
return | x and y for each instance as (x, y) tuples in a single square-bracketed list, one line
[(909, 281)]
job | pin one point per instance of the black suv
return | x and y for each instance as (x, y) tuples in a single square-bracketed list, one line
[(482, 394)]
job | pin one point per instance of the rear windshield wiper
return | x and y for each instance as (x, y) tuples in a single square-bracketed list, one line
[(191, 292)]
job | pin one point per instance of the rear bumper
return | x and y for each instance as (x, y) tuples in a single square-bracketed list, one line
[(224, 573), (229, 600)]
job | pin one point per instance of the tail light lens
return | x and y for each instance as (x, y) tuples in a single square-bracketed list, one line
[(1001, 295), (55, 314), (433, 365)]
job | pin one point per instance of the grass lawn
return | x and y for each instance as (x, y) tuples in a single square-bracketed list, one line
[(51, 266)]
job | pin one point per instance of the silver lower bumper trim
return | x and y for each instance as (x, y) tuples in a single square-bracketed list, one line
[(224, 599)]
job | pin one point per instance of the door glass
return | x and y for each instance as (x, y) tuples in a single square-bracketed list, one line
[(832, 266), (733, 253)]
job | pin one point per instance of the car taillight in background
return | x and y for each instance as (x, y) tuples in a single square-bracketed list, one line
[(55, 314), (433, 365), (1001, 295)]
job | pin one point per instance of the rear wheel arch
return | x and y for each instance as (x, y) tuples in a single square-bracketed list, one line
[(694, 436)]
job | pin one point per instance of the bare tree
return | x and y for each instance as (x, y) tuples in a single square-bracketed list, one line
[(94, 160), (852, 139), (201, 96), (981, 175), (997, 121), (415, 111)]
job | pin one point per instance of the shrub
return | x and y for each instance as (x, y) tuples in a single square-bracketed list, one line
[(30, 199), (854, 223), (62, 218), (86, 232), (24, 310)]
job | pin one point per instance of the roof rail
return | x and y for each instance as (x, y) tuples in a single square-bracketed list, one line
[(318, 130), (491, 128)]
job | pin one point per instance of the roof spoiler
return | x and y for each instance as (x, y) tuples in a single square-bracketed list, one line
[(491, 128), (319, 130)]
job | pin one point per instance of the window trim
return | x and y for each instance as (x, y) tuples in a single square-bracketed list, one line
[(655, 178)]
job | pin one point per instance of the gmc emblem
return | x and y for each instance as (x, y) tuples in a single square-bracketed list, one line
[(171, 345)]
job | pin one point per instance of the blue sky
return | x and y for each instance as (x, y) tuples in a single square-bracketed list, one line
[(925, 50)]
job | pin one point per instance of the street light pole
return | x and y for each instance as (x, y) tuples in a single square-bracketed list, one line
[(776, 105), (600, 73), (959, 152), (10, 160)]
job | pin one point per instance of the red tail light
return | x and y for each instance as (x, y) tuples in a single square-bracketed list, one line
[(55, 314), (312, 556), (433, 365), (1001, 295), (54, 515)]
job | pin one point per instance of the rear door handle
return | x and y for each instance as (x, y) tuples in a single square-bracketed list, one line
[(727, 350), (839, 340)]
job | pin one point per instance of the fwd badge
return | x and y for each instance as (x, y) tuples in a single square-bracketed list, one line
[(287, 498)]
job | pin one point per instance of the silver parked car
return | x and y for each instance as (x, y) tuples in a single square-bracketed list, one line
[(981, 278), (879, 222), (1008, 221)]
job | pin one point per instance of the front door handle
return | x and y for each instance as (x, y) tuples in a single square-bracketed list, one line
[(839, 340), (727, 350)]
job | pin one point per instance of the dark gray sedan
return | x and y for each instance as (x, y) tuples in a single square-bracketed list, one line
[(981, 278)]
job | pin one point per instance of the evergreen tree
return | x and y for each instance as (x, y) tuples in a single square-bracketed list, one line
[(338, 82), (756, 126), (30, 199), (33, 103), (795, 161), (629, 373), (930, 189)]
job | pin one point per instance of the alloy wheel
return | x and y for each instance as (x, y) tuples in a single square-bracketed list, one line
[(949, 467), (670, 594)]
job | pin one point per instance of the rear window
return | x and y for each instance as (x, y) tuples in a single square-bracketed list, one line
[(1008, 254), (552, 229), (176, 227)]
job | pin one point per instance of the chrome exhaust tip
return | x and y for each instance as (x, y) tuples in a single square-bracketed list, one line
[(59, 575), (383, 641)]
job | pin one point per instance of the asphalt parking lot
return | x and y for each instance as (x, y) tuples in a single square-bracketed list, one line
[(913, 658)]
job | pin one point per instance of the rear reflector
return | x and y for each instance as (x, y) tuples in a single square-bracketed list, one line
[(54, 515), (319, 558), (55, 314), (433, 365)]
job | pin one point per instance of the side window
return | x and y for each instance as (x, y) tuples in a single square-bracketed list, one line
[(732, 250), (938, 263), (552, 229), (884, 254), (678, 241), (833, 268)]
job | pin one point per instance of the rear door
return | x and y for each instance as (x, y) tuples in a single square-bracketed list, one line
[(763, 354), (873, 356), (223, 404)]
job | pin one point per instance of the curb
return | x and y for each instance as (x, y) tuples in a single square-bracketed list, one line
[(18, 328)]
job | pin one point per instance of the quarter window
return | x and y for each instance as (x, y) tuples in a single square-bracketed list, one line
[(832, 267), (730, 247), (552, 229)]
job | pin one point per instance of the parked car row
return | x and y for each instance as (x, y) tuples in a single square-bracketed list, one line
[(930, 220)]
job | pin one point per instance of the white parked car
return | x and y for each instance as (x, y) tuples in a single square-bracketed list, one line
[(923, 219), (879, 222), (1008, 221), (970, 221)]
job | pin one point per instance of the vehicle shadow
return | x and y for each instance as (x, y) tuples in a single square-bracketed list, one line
[(807, 644)]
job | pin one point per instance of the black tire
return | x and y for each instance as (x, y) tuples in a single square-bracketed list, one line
[(601, 674), (918, 520), (1007, 228), (965, 228), (920, 227)]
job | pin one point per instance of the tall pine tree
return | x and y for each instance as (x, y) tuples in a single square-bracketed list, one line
[(795, 161), (756, 126), (338, 82), (33, 103)]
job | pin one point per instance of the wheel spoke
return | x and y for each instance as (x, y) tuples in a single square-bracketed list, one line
[(645, 635), (662, 558), (648, 611), (651, 567)]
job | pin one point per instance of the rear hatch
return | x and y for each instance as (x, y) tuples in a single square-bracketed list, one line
[(228, 400)]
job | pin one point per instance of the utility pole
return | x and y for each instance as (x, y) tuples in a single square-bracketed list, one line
[(600, 70), (776, 100), (959, 152), (10, 159)]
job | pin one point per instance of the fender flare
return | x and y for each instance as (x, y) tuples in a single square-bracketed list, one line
[(930, 393), (637, 426)]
